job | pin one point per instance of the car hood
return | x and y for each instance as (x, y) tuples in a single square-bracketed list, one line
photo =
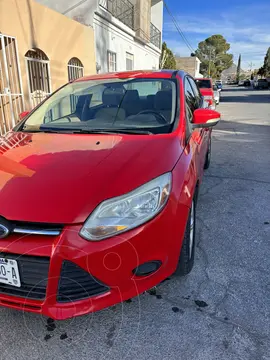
[(61, 178)]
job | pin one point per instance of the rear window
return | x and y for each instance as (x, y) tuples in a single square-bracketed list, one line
[(110, 104), (204, 84), (262, 81)]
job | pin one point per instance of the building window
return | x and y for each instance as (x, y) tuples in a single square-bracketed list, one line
[(129, 61), (38, 68), (11, 96), (123, 10), (155, 35), (75, 69), (111, 61)]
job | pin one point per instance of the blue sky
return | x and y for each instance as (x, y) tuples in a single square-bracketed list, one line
[(244, 23)]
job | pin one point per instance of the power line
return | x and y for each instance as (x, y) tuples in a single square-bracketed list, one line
[(73, 7), (178, 28)]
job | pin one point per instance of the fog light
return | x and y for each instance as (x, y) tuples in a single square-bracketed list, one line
[(147, 268)]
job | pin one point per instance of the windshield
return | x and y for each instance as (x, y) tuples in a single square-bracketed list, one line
[(108, 105), (204, 84)]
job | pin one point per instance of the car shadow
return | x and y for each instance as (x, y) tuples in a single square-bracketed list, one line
[(260, 98), (236, 88)]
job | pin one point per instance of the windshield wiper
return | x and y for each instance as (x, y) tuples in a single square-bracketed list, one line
[(116, 131), (89, 131), (56, 131)]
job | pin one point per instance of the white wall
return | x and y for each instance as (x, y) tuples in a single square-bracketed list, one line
[(157, 15), (114, 36), (81, 11)]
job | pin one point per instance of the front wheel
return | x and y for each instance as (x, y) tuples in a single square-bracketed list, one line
[(186, 259)]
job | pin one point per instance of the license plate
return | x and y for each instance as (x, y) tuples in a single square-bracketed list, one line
[(9, 272)]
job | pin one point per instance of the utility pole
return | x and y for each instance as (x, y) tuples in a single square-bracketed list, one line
[(209, 64), (238, 69), (209, 70), (163, 59)]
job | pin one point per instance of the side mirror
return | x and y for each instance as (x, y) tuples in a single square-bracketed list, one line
[(205, 118), (23, 114)]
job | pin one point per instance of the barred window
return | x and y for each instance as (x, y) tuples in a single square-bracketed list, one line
[(111, 61), (75, 69), (129, 61), (38, 69)]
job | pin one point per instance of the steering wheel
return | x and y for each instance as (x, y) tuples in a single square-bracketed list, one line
[(162, 120), (63, 117)]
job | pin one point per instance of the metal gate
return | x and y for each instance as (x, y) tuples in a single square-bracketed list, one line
[(11, 93), (38, 71)]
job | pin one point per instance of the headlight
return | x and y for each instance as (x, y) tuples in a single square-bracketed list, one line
[(126, 212)]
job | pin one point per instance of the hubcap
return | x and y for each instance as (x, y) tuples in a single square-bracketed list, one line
[(191, 234)]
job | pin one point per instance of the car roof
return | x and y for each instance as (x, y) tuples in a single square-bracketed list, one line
[(167, 74)]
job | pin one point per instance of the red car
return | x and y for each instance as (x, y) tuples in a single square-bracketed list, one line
[(206, 88), (99, 186)]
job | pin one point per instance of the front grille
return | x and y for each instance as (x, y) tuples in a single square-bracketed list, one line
[(77, 284), (31, 228), (33, 274), (36, 228)]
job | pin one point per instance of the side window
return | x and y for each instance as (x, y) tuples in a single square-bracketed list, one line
[(190, 100), (196, 92)]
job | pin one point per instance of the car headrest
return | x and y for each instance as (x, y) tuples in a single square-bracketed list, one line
[(163, 100), (83, 100), (131, 95), (111, 98)]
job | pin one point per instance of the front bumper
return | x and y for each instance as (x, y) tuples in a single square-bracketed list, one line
[(71, 276)]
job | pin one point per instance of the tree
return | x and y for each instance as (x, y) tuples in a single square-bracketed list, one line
[(212, 52), (266, 65), (238, 69), (242, 77), (261, 71), (167, 60)]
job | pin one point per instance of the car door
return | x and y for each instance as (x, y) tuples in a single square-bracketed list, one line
[(198, 137)]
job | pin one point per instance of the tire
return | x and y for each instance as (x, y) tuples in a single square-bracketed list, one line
[(208, 156), (186, 258)]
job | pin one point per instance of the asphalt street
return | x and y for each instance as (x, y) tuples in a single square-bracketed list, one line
[(222, 309)]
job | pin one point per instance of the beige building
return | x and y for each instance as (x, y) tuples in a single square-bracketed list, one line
[(40, 50), (128, 33), (190, 64)]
